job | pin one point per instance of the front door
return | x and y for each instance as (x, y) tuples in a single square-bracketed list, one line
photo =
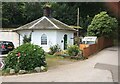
[(65, 41)]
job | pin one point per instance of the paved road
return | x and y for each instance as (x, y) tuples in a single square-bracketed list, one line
[(82, 71)]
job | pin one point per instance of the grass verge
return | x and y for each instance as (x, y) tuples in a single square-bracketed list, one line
[(57, 60)]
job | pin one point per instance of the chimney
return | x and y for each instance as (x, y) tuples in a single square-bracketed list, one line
[(47, 11)]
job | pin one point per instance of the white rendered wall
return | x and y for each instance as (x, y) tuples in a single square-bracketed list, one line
[(60, 37), (22, 33), (51, 38), (36, 37), (10, 36)]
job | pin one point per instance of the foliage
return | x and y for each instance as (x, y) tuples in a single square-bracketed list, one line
[(102, 25), (58, 53), (73, 50), (25, 57), (54, 49), (26, 39), (15, 14), (84, 23), (77, 40)]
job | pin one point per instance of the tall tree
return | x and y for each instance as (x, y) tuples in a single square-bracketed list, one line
[(102, 25), (15, 14)]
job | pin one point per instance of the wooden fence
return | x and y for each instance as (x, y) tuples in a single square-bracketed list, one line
[(91, 49)]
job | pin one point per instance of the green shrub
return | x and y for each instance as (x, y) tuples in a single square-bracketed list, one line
[(103, 25), (73, 50), (54, 49), (27, 39), (25, 57), (77, 40)]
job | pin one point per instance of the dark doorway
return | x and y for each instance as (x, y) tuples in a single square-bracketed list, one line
[(65, 41)]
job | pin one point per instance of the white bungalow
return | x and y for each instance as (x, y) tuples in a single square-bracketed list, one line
[(47, 31)]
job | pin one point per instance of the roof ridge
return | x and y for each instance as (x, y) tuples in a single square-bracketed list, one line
[(52, 23), (64, 24), (42, 18), (36, 22), (26, 24), (56, 24), (61, 22)]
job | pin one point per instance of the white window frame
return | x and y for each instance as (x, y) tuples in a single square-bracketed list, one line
[(44, 39)]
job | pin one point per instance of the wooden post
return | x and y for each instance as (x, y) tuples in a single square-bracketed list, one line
[(78, 21)]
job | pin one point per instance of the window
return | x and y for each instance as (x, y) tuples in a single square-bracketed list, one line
[(43, 39)]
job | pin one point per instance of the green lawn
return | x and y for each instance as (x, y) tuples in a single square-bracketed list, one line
[(54, 61)]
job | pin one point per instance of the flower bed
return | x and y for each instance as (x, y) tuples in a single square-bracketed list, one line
[(25, 58)]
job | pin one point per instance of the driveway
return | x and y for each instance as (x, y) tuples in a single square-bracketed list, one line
[(95, 69)]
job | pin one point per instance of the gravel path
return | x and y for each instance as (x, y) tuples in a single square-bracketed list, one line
[(81, 71)]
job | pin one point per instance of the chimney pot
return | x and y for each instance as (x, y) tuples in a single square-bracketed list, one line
[(47, 11)]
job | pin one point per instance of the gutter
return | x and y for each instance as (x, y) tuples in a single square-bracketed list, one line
[(22, 36)]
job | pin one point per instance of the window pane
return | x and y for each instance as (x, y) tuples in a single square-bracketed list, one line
[(43, 39)]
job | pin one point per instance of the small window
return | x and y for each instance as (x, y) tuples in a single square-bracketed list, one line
[(43, 39)]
